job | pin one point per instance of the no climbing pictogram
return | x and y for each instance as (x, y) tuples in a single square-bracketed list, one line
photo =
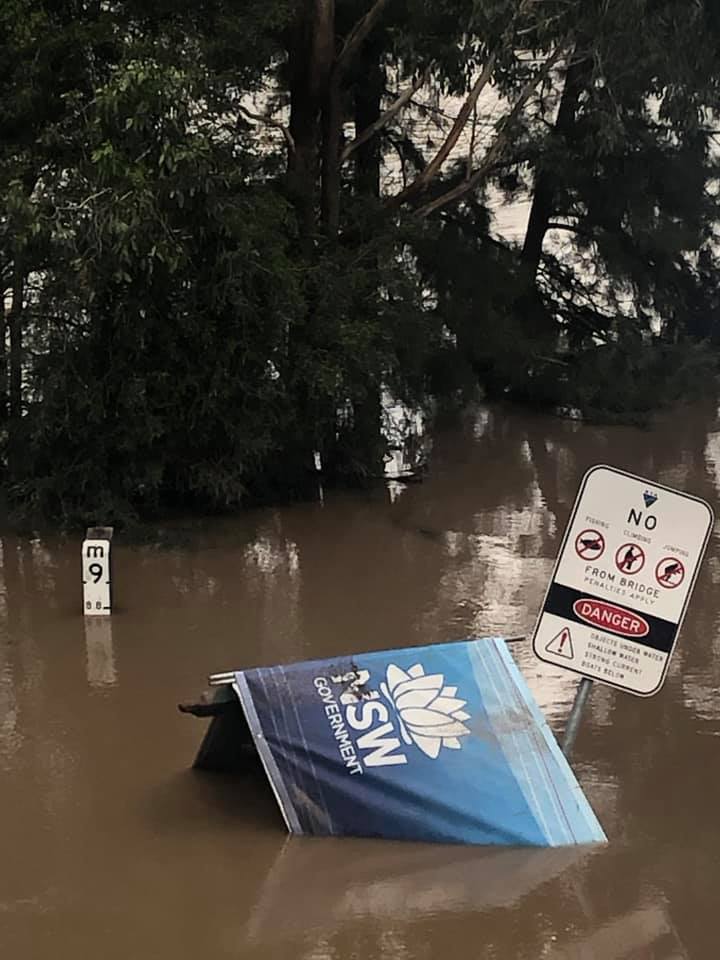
[(670, 572), (630, 558), (561, 645), (590, 545)]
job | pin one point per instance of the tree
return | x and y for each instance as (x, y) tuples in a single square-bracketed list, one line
[(623, 177), (226, 230), (51, 53)]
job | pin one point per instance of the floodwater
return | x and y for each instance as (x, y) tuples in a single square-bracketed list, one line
[(112, 847)]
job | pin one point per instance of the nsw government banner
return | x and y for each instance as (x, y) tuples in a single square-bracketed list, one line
[(442, 743)]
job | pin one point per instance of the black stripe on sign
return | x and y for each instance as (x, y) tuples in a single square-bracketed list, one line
[(560, 600)]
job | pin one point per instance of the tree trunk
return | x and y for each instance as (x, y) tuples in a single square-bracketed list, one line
[(311, 51), (302, 172), (4, 318), (368, 94), (366, 438), (361, 72), (332, 124), (310, 55), (302, 165), (15, 323), (546, 184)]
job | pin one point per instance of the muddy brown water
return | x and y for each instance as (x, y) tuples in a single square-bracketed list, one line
[(112, 847)]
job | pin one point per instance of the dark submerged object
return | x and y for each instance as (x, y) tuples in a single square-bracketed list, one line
[(227, 746)]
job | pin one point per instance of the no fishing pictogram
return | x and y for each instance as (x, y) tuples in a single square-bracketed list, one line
[(590, 545)]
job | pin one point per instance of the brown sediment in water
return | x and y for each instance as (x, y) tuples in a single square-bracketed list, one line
[(112, 847)]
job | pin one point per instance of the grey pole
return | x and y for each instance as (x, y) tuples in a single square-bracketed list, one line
[(581, 696)]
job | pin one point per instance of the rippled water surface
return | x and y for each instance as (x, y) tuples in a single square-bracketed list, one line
[(111, 847)]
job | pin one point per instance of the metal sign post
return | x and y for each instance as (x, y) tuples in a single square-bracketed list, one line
[(582, 694)]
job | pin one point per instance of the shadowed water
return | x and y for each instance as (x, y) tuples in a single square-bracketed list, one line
[(111, 847)]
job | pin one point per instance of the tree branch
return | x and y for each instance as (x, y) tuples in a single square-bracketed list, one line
[(384, 119), (570, 228), (421, 182), (271, 122), (359, 32), (469, 184), (471, 146)]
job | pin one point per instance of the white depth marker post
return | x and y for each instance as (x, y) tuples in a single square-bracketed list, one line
[(96, 572)]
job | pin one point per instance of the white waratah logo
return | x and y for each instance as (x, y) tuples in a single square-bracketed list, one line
[(430, 714)]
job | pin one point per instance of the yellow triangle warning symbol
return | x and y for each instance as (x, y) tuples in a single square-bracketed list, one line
[(561, 645)]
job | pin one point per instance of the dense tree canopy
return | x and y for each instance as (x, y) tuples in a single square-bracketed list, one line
[(227, 228)]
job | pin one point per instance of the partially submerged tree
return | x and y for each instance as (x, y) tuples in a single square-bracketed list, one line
[(225, 231)]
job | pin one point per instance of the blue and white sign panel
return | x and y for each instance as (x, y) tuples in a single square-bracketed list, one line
[(442, 743)]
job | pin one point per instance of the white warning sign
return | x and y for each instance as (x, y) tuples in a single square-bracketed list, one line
[(622, 580)]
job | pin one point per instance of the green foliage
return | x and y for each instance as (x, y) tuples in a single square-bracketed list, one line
[(200, 292), (170, 294), (618, 381)]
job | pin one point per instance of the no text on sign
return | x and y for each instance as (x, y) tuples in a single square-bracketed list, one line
[(619, 610)]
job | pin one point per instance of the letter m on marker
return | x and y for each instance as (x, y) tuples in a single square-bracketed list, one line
[(95, 551), (381, 746)]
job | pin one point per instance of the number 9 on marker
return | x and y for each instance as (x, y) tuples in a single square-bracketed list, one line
[(96, 577)]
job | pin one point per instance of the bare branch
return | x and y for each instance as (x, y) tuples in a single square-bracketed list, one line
[(534, 27), (74, 207), (556, 360), (271, 122), (471, 147), (384, 119), (359, 32), (569, 227), (422, 180), (397, 145), (501, 141)]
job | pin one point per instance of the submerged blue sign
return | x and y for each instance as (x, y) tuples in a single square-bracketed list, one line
[(441, 743)]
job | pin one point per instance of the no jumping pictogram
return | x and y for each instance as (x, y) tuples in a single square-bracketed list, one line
[(589, 545), (670, 572), (630, 558)]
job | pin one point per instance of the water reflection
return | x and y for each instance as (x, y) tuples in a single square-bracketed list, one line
[(408, 442), (10, 736), (400, 896), (398, 882), (646, 931), (101, 671)]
